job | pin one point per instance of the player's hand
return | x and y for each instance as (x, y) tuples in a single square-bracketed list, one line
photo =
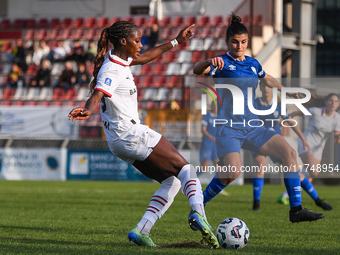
[(306, 145), (79, 113), (337, 137), (185, 34), (217, 62)]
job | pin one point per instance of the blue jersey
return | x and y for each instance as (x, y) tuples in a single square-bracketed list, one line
[(208, 121), (259, 105), (242, 74)]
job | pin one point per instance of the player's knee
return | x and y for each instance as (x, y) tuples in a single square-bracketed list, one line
[(290, 154)]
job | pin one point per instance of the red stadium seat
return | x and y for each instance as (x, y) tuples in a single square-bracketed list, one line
[(147, 70), (138, 81), (43, 34), (114, 20), (43, 23), (179, 21), (46, 103), (218, 21), (162, 81), (19, 23), (33, 103), (7, 46), (176, 81), (68, 34), (160, 58), (153, 20), (204, 21), (246, 20), (171, 57), (79, 23), (168, 33), (151, 105), (31, 23), (8, 93), (166, 22), (58, 103), (58, 94), (149, 81), (191, 20), (55, 23), (142, 22), (5, 24), (32, 69), (130, 19), (220, 32), (197, 56), (140, 94), (67, 23), (30, 34), (259, 20), (93, 34), (7, 103), (104, 22), (207, 32), (20, 103), (160, 69), (80, 34), (91, 22), (71, 94)]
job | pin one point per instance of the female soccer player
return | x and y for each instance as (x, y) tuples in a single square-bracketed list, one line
[(323, 121), (244, 72), (265, 103), (208, 151), (133, 142)]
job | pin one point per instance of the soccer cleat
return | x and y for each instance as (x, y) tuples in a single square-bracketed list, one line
[(140, 239), (304, 215), (202, 225), (256, 205), (324, 205), (281, 200)]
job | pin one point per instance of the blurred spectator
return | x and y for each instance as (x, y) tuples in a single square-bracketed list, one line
[(43, 77), (19, 55), (145, 39), (40, 52), (153, 39), (29, 52), (77, 52), (60, 51), (82, 77), (14, 78), (66, 79), (91, 51)]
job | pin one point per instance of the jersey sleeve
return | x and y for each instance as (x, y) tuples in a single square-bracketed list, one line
[(260, 72), (337, 124), (107, 82), (212, 72), (205, 120), (312, 110)]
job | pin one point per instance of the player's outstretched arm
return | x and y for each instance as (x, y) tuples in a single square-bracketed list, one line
[(270, 81), (298, 131), (153, 53), (83, 113)]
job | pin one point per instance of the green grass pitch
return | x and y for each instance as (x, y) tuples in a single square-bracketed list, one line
[(95, 217)]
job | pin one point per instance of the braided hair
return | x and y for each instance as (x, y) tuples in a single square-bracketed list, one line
[(236, 27), (118, 30)]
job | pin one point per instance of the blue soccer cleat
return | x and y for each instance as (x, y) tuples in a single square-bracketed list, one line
[(196, 221), (140, 239)]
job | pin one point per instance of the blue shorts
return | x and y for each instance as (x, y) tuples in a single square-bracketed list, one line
[(274, 160), (230, 140), (208, 154)]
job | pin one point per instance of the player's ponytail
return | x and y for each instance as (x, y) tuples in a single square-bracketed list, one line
[(236, 27), (113, 34), (103, 46)]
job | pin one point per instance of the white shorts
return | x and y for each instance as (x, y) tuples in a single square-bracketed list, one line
[(316, 150), (137, 144)]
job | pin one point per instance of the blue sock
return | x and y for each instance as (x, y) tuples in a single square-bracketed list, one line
[(213, 188), (309, 188), (293, 186), (257, 188)]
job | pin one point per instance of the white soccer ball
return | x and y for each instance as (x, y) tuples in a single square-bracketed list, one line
[(232, 233)]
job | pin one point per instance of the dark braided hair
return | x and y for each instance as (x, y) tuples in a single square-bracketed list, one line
[(236, 27), (118, 30)]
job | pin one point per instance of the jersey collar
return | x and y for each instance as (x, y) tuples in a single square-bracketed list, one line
[(262, 103), (119, 61), (228, 54), (324, 113)]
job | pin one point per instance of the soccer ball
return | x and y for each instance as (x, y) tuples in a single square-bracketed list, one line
[(232, 233)]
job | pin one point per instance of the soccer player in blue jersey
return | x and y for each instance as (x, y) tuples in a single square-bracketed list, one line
[(244, 72), (264, 103), (208, 150)]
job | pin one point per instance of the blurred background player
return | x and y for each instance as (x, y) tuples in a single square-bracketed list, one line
[(264, 103), (208, 150), (153, 155), (323, 121), (244, 72)]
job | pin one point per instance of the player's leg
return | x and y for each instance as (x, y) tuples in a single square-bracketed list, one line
[(311, 191), (258, 181), (230, 166), (166, 159), (310, 163), (159, 204), (278, 147)]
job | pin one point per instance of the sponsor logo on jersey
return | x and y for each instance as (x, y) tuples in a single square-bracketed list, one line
[(254, 70), (276, 113), (133, 91), (232, 67), (108, 81)]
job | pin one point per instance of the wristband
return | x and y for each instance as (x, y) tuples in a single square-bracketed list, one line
[(174, 43)]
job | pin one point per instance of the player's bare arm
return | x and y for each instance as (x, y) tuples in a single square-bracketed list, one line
[(204, 66), (153, 53)]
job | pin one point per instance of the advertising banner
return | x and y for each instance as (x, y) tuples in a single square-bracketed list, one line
[(99, 165), (49, 122), (31, 164)]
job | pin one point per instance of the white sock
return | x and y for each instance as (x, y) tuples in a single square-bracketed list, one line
[(191, 187), (285, 195), (160, 202)]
